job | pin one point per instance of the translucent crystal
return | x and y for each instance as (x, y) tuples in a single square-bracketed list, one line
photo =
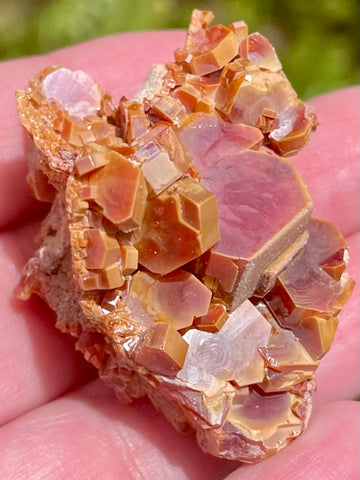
[(179, 249), (81, 97)]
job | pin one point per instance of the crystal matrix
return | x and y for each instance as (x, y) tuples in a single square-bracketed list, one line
[(180, 248)]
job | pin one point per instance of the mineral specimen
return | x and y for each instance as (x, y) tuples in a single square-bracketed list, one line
[(179, 248)]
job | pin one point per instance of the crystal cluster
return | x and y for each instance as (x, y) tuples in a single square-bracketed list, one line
[(180, 248)]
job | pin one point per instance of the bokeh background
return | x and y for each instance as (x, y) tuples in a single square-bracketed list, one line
[(316, 40)]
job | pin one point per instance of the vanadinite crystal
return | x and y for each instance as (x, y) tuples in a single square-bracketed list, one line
[(180, 247)]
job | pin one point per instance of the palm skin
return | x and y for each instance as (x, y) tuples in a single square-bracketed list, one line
[(58, 421)]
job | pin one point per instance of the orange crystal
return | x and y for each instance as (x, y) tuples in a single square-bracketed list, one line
[(214, 318), (162, 349), (179, 225), (176, 298), (102, 250), (180, 250), (121, 191)]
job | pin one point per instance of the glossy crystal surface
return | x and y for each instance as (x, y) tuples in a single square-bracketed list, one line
[(180, 248)]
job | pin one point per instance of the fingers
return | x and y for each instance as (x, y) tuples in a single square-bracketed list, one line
[(37, 362), (15, 197), (88, 434), (329, 164), (329, 449)]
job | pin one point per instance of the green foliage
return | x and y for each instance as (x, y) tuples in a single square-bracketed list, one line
[(317, 41)]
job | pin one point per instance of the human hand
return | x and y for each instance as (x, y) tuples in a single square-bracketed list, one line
[(58, 422)]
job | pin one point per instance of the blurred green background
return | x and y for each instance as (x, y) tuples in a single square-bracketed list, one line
[(317, 41)]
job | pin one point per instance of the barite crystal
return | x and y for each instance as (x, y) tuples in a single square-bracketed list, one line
[(179, 248)]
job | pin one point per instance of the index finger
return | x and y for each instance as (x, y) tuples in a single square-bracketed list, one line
[(329, 164)]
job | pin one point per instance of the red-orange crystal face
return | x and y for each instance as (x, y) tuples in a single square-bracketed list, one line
[(120, 190), (261, 201), (179, 225), (180, 247)]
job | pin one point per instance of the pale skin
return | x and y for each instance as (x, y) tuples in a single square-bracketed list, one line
[(57, 420)]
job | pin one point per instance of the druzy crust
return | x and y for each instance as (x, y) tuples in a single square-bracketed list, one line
[(180, 249)]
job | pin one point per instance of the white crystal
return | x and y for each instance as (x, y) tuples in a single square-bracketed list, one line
[(74, 91), (230, 354), (286, 123)]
